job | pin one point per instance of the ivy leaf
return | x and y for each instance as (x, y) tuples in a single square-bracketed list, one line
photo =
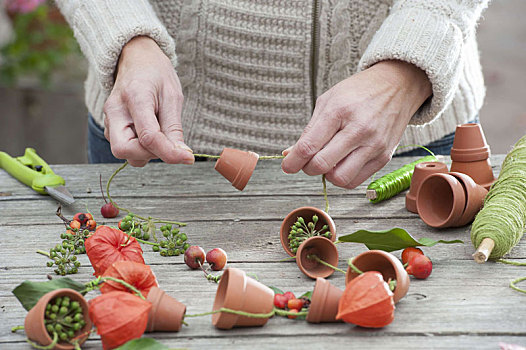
[(276, 290), (28, 293), (390, 240), (143, 344)]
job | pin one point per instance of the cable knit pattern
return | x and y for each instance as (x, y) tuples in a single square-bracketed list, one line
[(246, 66)]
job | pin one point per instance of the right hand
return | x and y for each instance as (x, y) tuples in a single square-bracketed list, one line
[(143, 111)]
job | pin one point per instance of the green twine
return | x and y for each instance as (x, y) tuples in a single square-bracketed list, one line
[(395, 182), (274, 311), (314, 257), (503, 217)]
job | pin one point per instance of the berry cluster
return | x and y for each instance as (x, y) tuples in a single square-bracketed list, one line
[(63, 258), (301, 231), (63, 317), (77, 230), (288, 301), (174, 242), (135, 227)]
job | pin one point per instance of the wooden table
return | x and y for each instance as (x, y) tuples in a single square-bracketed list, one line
[(462, 305)]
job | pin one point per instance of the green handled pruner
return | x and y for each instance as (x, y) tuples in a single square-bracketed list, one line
[(34, 172)]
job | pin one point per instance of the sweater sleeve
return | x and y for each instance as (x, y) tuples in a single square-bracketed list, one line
[(431, 35), (103, 27)]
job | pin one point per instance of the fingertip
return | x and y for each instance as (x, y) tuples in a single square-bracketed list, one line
[(286, 151)]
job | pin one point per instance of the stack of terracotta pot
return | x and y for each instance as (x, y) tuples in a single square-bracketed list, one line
[(452, 199)]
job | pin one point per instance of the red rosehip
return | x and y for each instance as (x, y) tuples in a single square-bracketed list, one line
[(289, 295), (74, 224), (408, 253), (91, 225), (194, 257), (293, 311), (216, 258), (108, 210), (419, 266), (280, 301), (295, 304)]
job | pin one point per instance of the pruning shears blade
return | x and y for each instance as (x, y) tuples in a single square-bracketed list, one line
[(61, 194), (34, 172)]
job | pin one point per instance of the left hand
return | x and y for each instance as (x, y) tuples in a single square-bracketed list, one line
[(357, 124)]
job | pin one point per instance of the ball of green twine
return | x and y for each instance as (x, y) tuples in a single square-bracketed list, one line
[(503, 217), (397, 181)]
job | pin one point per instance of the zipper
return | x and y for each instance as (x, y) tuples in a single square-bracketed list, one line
[(315, 49)]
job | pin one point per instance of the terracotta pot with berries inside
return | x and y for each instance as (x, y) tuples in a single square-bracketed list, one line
[(387, 265), (237, 166), (61, 311), (303, 223), (313, 253), (166, 314), (324, 302), (238, 292)]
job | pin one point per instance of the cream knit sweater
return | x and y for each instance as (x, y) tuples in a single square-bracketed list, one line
[(251, 69)]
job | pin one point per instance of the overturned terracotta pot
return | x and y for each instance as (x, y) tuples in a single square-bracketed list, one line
[(480, 171), (35, 327), (470, 154), (385, 263), (441, 200), (324, 302), (306, 213), (475, 195), (238, 292), (237, 166), (321, 247), (422, 170), (166, 314)]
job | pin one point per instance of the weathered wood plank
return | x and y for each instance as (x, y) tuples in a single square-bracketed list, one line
[(158, 179), (356, 340), (248, 241), (451, 301)]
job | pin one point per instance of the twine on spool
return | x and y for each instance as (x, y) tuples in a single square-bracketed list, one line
[(500, 224)]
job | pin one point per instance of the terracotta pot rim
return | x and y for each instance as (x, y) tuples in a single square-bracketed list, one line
[(322, 287), (320, 241), (402, 278), (457, 207), (284, 232)]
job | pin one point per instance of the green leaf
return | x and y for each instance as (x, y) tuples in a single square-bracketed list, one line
[(390, 240), (143, 344), (28, 293), (276, 290), (307, 295)]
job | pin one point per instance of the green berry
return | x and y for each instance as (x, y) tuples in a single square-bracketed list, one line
[(58, 327), (315, 218), (166, 234), (186, 246), (49, 264), (155, 248), (75, 305), (146, 236), (50, 328), (76, 326), (68, 319), (63, 336), (55, 308), (53, 317), (63, 310), (183, 237), (77, 317)]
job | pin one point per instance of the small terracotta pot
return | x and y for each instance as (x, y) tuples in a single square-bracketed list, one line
[(470, 154), (422, 170), (441, 200), (324, 302), (324, 249), (238, 292), (475, 195), (480, 171), (166, 313), (469, 144), (385, 263), (237, 166), (34, 323), (306, 213)]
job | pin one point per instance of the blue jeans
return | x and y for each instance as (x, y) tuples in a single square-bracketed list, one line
[(99, 150)]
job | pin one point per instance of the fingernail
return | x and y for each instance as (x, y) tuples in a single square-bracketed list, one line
[(286, 152), (188, 161), (182, 145)]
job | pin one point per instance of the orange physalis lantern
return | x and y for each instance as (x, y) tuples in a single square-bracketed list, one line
[(119, 317), (108, 245), (367, 301), (138, 275)]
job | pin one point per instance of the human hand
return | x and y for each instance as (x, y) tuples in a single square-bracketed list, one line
[(143, 111), (357, 124)]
